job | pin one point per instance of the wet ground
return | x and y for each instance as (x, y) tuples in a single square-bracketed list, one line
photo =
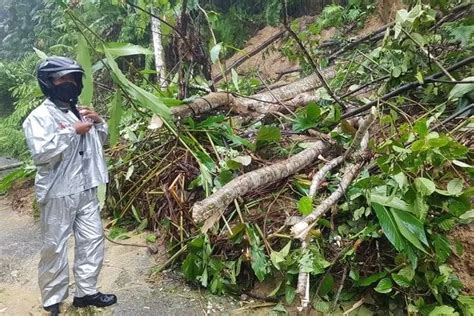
[(125, 273)]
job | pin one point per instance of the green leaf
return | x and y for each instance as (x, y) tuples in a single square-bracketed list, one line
[(464, 34), (268, 133), (327, 284), (321, 306), (461, 89), (84, 59), (410, 228), (401, 280), (407, 272), (455, 187), (305, 205), (421, 207), (290, 294), (115, 112), (307, 118), (442, 248), (467, 216), (145, 98), (371, 279), (467, 304), (190, 267), (425, 186), (390, 201), (215, 52), (279, 256), (384, 286), (421, 127), (126, 49), (259, 262), (443, 310), (389, 226)]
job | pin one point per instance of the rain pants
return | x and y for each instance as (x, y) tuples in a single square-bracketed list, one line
[(69, 169)]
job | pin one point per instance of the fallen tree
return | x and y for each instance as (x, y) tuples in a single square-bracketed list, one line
[(305, 202)]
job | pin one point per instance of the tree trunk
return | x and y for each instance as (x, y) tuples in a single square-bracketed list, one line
[(215, 204), (158, 51)]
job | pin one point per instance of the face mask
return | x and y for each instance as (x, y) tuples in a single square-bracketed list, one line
[(66, 92)]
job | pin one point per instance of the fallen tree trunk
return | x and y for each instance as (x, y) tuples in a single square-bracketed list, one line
[(260, 102), (216, 203)]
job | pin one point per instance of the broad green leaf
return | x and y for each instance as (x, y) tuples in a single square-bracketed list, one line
[(259, 262), (467, 304), (278, 310), (307, 118), (421, 127), (115, 112), (421, 207), (425, 186), (443, 310), (290, 294), (126, 49), (191, 267), (145, 98), (407, 272), (390, 201), (371, 279), (410, 228), (268, 133), (442, 249), (84, 59), (389, 226), (214, 53), (239, 161), (279, 256), (327, 284), (401, 180), (401, 280), (468, 215), (464, 34), (455, 186), (305, 205), (321, 306), (461, 89), (384, 286)]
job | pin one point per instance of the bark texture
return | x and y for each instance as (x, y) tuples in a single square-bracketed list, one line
[(293, 94), (218, 201)]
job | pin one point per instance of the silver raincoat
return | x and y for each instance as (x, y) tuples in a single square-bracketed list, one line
[(69, 169), (66, 162)]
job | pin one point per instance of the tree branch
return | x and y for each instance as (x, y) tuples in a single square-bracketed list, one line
[(218, 201), (308, 56), (407, 87)]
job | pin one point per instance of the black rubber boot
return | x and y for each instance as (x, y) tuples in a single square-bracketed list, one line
[(98, 299), (52, 309)]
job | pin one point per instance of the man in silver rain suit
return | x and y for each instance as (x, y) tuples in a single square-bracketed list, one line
[(66, 145)]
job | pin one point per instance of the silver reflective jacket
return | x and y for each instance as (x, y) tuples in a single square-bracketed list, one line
[(66, 162)]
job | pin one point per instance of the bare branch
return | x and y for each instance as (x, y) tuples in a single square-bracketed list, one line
[(310, 59)]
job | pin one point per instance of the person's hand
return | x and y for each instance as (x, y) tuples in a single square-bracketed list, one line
[(82, 127), (90, 114)]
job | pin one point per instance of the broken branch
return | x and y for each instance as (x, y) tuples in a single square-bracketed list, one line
[(218, 201)]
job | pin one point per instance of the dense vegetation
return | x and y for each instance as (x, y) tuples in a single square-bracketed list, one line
[(375, 226)]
